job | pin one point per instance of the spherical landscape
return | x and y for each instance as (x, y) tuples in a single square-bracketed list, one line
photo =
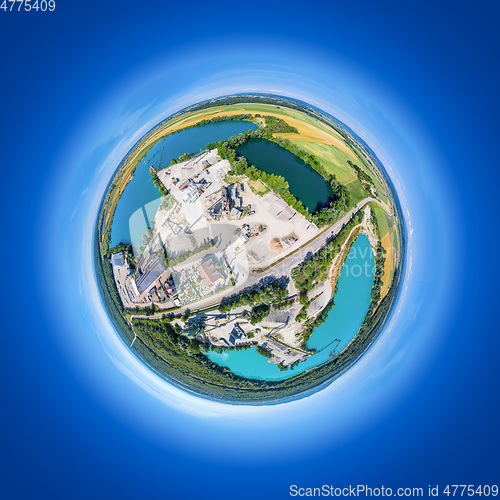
[(250, 248)]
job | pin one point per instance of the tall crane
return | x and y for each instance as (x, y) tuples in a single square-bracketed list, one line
[(161, 154)]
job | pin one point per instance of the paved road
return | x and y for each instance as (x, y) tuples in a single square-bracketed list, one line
[(279, 270)]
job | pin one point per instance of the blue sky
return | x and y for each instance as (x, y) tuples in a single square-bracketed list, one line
[(83, 416)]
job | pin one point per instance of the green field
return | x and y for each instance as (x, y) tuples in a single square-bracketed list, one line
[(334, 160), (385, 222)]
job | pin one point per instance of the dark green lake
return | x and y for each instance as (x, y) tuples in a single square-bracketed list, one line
[(304, 182)]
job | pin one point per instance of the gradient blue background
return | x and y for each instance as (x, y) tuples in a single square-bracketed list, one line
[(417, 80)]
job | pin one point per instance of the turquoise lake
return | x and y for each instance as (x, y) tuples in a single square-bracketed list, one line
[(304, 182), (140, 193), (352, 301)]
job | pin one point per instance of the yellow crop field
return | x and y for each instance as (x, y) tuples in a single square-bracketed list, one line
[(387, 243)]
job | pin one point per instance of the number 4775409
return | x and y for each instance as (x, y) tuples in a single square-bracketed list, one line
[(27, 5)]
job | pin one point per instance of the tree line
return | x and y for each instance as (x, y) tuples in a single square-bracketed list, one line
[(377, 280), (156, 181), (181, 158), (339, 203), (260, 298), (276, 125), (217, 119)]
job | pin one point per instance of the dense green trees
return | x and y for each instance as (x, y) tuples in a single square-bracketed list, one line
[(362, 175), (267, 294), (182, 157), (107, 274), (235, 141), (121, 247), (164, 338), (220, 350), (144, 311), (302, 315), (377, 281), (258, 313), (242, 116), (264, 352), (339, 204), (314, 269), (156, 181), (275, 125)]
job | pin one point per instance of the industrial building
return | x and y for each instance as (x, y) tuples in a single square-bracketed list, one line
[(118, 259), (209, 272)]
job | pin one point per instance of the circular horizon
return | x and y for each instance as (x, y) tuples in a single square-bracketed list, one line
[(103, 135), (164, 375)]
